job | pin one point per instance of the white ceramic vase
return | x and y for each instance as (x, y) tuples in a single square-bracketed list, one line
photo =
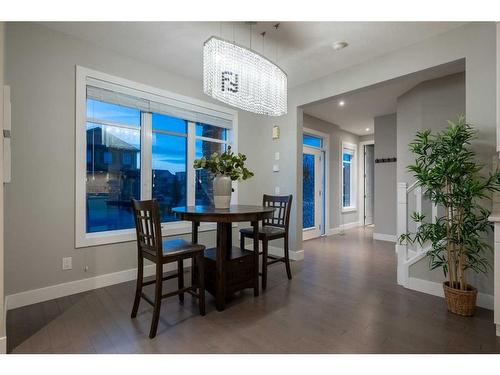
[(222, 191)]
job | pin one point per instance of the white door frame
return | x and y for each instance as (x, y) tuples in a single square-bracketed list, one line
[(326, 173), (315, 231), (361, 177)]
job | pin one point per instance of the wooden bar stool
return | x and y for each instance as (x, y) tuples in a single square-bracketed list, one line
[(151, 246), (272, 229)]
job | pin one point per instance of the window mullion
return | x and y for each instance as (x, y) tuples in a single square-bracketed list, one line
[(146, 155), (191, 154)]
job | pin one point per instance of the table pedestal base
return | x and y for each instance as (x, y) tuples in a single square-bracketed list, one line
[(238, 274)]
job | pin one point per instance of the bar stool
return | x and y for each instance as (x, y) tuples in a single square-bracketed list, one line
[(151, 246)]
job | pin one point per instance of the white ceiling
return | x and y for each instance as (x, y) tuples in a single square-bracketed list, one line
[(302, 49), (361, 106)]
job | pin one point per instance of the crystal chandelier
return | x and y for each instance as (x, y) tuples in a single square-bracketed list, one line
[(243, 78)]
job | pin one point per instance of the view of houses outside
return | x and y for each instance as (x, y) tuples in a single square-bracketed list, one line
[(113, 164)]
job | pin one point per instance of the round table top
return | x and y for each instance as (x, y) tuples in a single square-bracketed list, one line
[(234, 213)]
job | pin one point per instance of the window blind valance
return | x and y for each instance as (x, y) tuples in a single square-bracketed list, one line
[(148, 102)]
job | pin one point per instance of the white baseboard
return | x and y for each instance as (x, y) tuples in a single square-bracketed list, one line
[(277, 251), (385, 237), (30, 297), (436, 289), (3, 345), (342, 227)]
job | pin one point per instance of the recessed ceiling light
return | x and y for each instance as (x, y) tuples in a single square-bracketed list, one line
[(341, 103), (337, 46), (367, 129)]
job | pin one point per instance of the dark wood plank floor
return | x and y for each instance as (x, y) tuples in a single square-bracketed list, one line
[(343, 299)]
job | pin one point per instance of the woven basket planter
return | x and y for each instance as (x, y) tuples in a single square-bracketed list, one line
[(460, 302)]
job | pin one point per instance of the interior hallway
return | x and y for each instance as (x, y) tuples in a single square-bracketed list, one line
[(343, 299)]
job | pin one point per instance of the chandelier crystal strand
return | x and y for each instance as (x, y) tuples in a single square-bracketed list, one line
[(243, 78)]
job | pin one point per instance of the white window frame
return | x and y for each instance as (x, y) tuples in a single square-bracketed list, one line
[(84, 239), (352, 148)]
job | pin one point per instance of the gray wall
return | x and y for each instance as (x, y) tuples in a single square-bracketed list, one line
[(40, 207), (385, 175), (337, 136), (427, 106)]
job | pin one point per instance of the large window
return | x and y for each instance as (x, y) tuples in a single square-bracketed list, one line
[(348, 177), (139, 142)]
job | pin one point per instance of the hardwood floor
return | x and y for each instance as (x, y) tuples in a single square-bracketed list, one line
[(343, 298)]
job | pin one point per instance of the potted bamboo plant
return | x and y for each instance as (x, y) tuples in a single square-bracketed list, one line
[(449, 174), (225, 167)]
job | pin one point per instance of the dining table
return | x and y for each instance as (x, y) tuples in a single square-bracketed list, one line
[(228, 268)]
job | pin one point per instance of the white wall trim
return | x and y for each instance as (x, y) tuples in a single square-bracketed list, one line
[(385, 237), (326, 163), (294, 255), (30, 297), (347, 226), (278, 251), (436, 289), (3, 345)]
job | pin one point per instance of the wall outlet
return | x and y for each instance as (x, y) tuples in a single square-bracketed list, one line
[(276, 156), (67, 263), (276, 190), (276, 168)]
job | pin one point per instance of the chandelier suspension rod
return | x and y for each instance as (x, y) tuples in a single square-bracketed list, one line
[(276, 27)]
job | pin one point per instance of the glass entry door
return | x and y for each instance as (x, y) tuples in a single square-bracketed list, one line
[(312, 188)]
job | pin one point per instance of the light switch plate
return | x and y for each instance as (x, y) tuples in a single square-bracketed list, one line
[(276, 132), (67, 263), (277, 190), (276, 156)]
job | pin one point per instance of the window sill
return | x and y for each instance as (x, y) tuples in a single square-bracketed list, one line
[(128, 235), (348, 209)]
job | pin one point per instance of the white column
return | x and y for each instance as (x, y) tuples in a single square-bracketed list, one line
[(496, 271)]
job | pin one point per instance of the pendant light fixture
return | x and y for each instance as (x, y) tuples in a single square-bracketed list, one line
[(243, 78)]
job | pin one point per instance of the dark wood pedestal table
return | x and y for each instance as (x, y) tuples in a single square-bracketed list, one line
[(228, 268)]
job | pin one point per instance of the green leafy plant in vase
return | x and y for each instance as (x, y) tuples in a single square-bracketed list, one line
[(449, 174), (225, 167)]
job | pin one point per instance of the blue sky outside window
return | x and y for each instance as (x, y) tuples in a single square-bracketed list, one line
[(108, 112), (310, 140)]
